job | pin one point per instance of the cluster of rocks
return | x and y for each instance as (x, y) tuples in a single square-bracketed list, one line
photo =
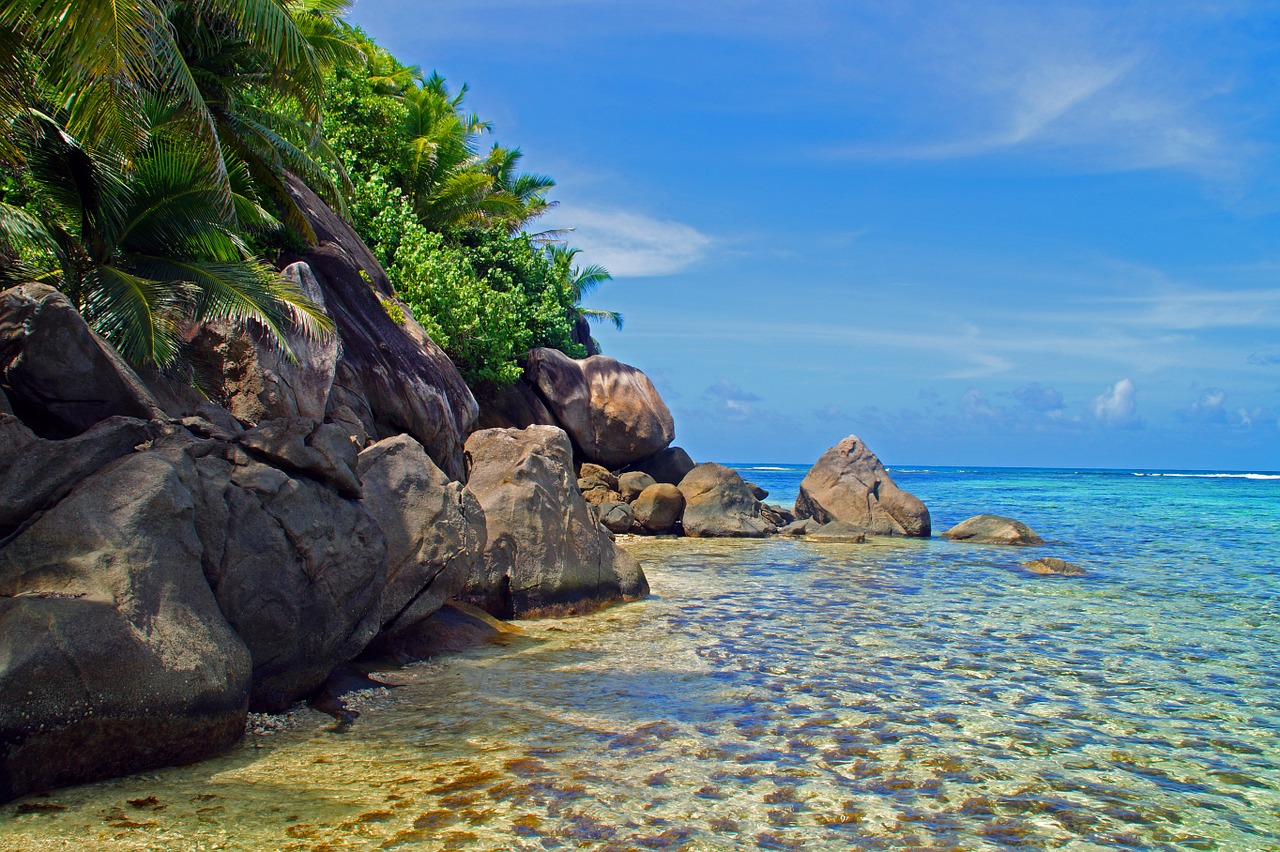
[(171, 560)]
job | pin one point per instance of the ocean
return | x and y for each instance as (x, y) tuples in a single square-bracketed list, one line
[(780, 694)]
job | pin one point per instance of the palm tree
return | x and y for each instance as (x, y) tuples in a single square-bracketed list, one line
[(582, 281)]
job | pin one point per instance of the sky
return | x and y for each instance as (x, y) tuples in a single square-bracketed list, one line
[(971, 233)]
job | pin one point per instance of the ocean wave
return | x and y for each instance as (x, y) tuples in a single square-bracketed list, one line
[(766, 467), (1263, 476)]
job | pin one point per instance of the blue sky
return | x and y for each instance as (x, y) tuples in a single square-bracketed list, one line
[(971, 233)]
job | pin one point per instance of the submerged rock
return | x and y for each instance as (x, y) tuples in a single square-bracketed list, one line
[(546, 551), (837, 531), (993, 529), (849, 484), (717, 503), (611, 410), (1050, 565)]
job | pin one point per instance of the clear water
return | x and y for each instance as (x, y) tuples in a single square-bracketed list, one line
[(787, 695)]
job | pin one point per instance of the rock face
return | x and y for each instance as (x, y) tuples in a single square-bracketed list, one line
[(719, 504), (59, 376), (516, 407), (993, 529), (391, 378), (850, 484), (1052, 566), (658, 507), (323, 451), (435, 531), (611, 410), (546, 552), (254, 379), (117, 658)]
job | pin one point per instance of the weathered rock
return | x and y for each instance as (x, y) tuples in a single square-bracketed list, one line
[(718, 503), (600, 495), (61, 378), (633, 483), (115, 657), (837, 531), (594, 476), (322, 450), (756, 491), (247, 373), (390, 375), (993, 529), (546, 551), (36, 473), (611, 410), (658, 507), (515, 407), (850, 484), (298, 571), (1052, 566), (616, 517), (776, 515), (434, 528), (670, 465)]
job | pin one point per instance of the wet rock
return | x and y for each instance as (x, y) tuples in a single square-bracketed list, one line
[(717, 503), (456, 626), (658, 508), (993, 529), (546, 551), (116, 656), (837, 531), (670, 465), (849, 484), (434, 529), (391, 376), (1053, 566), (611, 410), (58, 376), (633, 483), (801, 527)]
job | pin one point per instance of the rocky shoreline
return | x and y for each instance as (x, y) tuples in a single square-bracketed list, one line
[(172, 560)]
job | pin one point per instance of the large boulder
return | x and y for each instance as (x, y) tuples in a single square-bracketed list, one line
[(115, 657), (658, 507), (850, 484), (59, 377), (546, 551), (717, 503), (251, 376), (993, 529), (391, 377), (434, 528), (611, 410), (297, 569), (670, 465)]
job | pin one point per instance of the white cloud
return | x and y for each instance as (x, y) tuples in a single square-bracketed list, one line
[(631, 245), (1118, 406)]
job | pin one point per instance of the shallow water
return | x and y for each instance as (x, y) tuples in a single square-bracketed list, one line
[(787, 695)]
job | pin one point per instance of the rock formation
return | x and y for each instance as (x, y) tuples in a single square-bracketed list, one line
[(1052, 566), (717, 503), (993, 529), (546, 551), (611, 411), (849, 484)]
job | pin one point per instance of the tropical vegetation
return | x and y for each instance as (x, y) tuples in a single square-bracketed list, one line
[(145, 147)]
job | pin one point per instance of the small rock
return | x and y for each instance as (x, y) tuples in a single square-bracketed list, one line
[(993, 529), (631, 484), (1052, 566), (658, 507), (756, 491), (838, 531), (616, 517), (800, 527)]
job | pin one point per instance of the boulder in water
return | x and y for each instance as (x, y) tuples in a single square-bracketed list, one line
[(993, 529), (717, 503), (849, 484)]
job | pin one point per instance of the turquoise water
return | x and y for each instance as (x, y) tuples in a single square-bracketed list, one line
[(788, 695)]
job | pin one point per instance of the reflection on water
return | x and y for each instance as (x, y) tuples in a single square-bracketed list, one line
[(780, 695)]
